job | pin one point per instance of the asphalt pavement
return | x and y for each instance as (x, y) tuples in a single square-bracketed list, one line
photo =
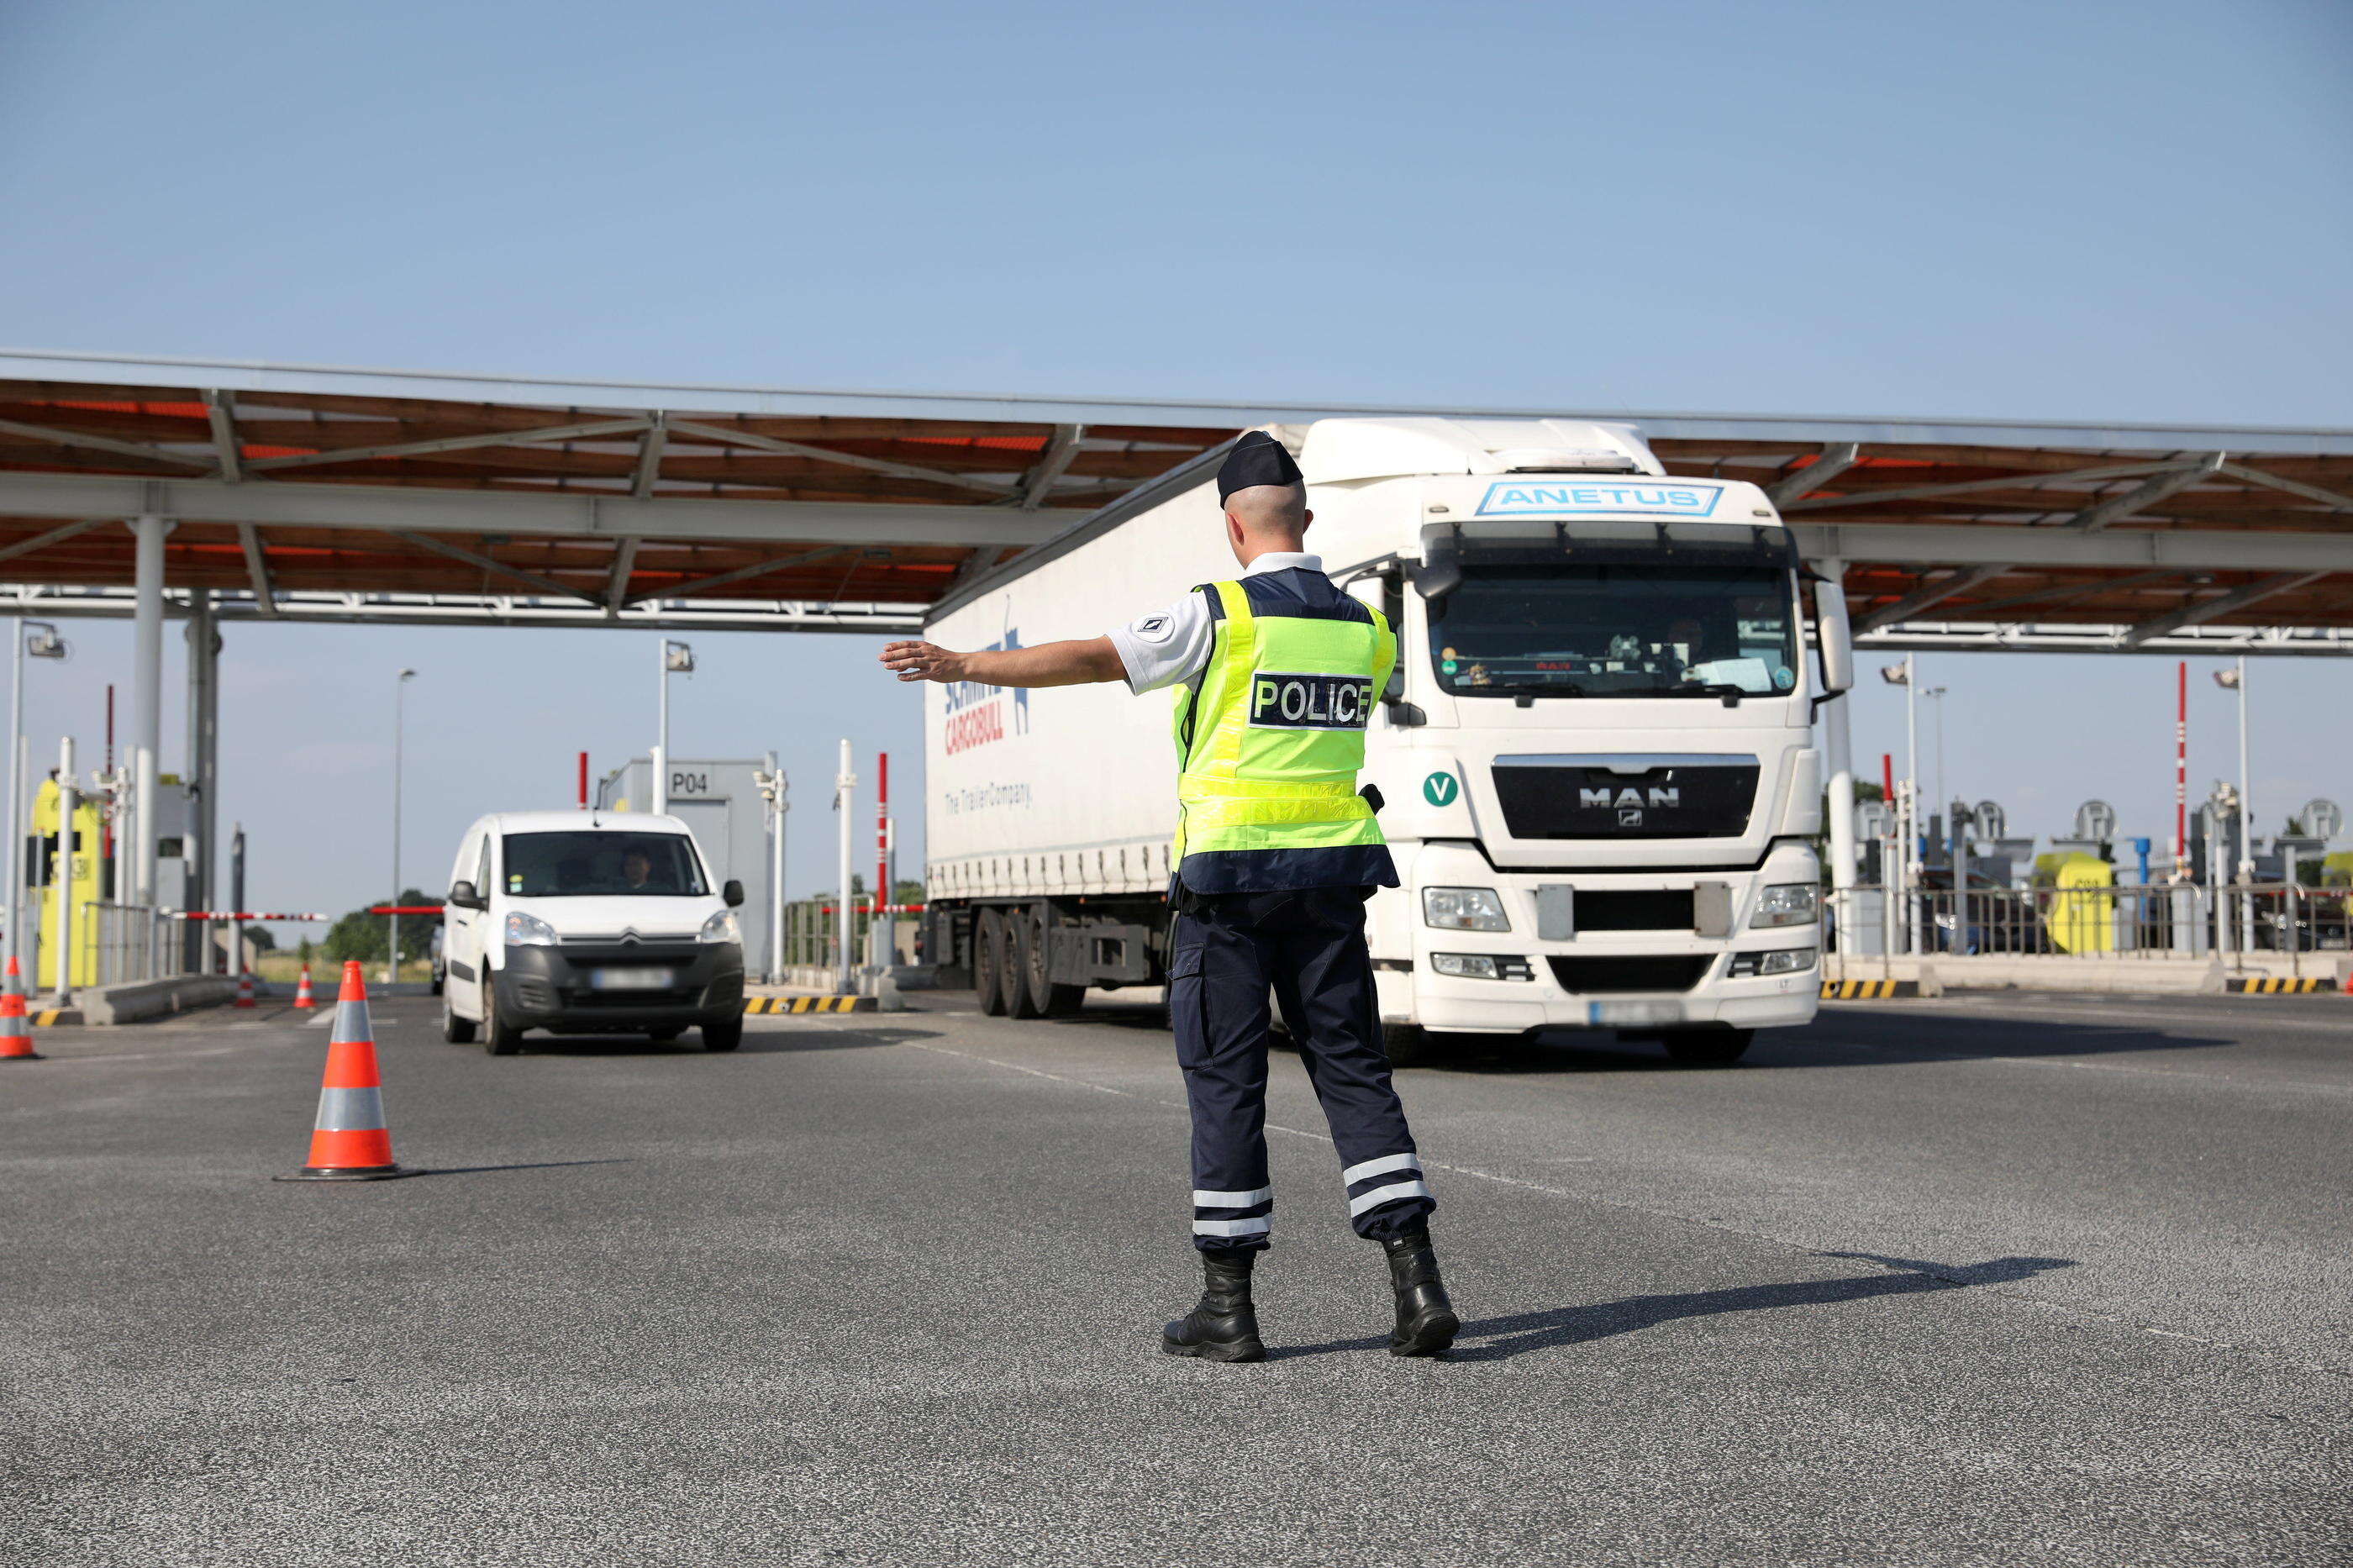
[(1992, 1280)]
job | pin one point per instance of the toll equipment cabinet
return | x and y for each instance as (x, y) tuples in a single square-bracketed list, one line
[(722, 803)]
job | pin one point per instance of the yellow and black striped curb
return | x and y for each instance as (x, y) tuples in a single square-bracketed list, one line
[(2281, 985), (1868, 990), (809, 1004)]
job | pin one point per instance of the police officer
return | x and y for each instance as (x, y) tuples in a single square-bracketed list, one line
[(1275, 855)]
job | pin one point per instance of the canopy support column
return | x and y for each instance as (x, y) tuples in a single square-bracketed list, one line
[(146, 701), (204, 773)]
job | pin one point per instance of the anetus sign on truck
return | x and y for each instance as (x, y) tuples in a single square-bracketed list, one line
[(1596, 753)]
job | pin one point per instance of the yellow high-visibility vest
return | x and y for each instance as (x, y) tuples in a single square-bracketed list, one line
[(1271, 737)]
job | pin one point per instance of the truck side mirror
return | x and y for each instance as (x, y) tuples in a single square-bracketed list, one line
[(733, 892), (1838, 643), (465, 897)]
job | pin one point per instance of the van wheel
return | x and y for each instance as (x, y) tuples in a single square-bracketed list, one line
[(456, 1030), (1014, 963), (1706, 1048), (498, 1039), (1049, 1000), (987, 971), (723, 1035)]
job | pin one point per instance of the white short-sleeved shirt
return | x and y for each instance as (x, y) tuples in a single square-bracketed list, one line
[(1172, 645)]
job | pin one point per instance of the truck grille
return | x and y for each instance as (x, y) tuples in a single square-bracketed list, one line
[(1626, 797), (1636, 972)]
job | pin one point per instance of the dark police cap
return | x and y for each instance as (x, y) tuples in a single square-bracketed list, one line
[(1258, 459)]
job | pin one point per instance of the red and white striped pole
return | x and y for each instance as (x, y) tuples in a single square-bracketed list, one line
[(881, 828), (584, 781), (879, 924)]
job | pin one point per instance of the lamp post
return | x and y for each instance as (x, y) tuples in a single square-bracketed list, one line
[(677, 659), (392, 951), (2235, 679), (40, 639)]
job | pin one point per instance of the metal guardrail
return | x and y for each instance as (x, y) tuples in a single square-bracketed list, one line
[(812, 933), (2130, 922), (128, 942)]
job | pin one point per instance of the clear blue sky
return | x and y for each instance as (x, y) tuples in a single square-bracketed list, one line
[(2094, 211)]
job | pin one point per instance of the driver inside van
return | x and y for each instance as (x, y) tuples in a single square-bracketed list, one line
[(636, 870)]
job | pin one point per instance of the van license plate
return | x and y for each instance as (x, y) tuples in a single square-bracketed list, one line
[(620, 979), (1618, 1014)]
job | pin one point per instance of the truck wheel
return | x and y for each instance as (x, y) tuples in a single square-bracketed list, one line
[(1015, 960), (1407, 1045), (498, 1038), (1706, 1048), (456, 1030), (987, 971), (723, 1034), (1050, 1001)]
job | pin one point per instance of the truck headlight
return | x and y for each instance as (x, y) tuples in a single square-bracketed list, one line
[(1789, 904), (721, 927), (1482, 966), (1779, 961), (1463, 908), (529, 931)]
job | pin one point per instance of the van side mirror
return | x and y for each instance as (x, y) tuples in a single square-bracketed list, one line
[(1838, 641), (464, 896), (733, 892)]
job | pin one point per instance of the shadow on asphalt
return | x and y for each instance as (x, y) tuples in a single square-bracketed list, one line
[(533, 1165), (1891, 1035), (755, 1042), (1524, 1331)]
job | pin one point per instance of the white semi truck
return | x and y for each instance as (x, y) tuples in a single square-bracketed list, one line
[(1594, 757)]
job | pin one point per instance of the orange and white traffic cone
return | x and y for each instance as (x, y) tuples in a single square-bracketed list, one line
[(349, 1142), (302, 990), (15, 1034), (244, 988)]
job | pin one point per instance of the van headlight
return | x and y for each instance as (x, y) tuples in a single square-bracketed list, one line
[(1789, 904), (721, 927), (1463, 908), (529, 931)]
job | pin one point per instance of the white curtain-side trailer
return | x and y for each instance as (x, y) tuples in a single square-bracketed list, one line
[(1596, 758)]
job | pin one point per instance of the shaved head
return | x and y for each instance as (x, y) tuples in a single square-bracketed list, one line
[(1272, 517)]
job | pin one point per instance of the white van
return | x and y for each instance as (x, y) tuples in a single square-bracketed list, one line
[(589, 922)]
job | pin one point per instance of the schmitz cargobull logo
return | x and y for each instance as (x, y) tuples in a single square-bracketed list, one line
[(1287, 701), (976, 713)]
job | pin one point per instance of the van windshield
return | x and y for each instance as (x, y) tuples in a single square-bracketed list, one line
[(581, 865), (1615, 631)]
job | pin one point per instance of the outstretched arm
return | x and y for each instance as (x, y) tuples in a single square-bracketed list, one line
[(1048, 664)]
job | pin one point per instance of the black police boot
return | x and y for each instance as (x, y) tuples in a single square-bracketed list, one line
[(1224, 1327), (1426, 1323)]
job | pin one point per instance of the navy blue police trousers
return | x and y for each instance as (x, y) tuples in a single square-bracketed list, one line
[(1308, 948)]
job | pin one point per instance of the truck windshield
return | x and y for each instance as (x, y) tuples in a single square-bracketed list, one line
[(1615, 631), (583, 865)]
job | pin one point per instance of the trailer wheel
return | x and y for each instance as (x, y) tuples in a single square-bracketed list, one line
[(987, 972), (1706, 1048), (1023, 939), (1049, 1000)]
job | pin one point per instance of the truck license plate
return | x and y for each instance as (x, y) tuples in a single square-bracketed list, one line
[(1618, 1014), (618, 978)]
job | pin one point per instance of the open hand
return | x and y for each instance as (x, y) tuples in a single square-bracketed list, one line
[(922, 661)]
